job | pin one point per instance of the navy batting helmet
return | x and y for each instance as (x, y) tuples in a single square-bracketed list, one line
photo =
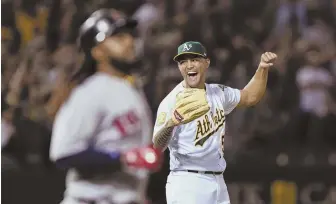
[(97, 27), (101, 25)]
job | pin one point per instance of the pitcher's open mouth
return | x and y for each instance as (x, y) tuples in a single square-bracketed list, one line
[(192, 74)]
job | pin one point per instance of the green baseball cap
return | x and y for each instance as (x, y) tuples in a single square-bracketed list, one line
[(191, 47)]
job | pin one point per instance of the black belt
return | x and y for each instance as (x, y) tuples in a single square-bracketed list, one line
[(87, 201), (204, 172)]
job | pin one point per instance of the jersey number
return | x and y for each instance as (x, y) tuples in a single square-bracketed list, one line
[(222, 142), (127, 124)]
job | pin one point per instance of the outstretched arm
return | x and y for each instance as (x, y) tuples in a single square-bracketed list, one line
[(255, 89)]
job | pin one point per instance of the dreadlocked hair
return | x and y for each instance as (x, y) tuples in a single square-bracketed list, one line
[(67, 84)]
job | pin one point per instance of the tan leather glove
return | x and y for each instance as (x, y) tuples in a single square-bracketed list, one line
[(190, 104)]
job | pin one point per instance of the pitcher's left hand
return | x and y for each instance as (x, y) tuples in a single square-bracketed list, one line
[(267, 60)]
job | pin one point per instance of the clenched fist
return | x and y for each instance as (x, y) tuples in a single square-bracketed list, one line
[(267, 59)]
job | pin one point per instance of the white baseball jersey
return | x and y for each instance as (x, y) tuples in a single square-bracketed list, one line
[(198, 145), (106, 113)]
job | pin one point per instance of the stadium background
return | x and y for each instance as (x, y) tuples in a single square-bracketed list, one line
[(283, 151)]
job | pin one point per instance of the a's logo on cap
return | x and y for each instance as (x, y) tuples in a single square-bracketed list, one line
[(186, 47)]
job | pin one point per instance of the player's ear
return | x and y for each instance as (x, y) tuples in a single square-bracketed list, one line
[(179, 66), (98, 53), (208, 61)]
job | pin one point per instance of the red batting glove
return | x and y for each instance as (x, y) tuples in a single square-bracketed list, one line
[(147, 157)]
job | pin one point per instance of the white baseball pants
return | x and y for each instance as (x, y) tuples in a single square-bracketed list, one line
[(194, 188)]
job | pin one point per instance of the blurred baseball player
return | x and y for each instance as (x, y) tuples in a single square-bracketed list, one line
[(191, 122), (102, 132)]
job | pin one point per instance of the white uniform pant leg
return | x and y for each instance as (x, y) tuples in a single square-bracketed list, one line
[(193, 188), (223, 194)]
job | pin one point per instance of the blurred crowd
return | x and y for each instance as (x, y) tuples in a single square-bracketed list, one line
[(39, 54)]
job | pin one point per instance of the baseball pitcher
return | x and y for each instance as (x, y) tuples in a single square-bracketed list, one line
[(191, 123), (102, 132)]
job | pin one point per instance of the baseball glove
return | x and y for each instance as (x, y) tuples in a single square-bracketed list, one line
[(190, 104)]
